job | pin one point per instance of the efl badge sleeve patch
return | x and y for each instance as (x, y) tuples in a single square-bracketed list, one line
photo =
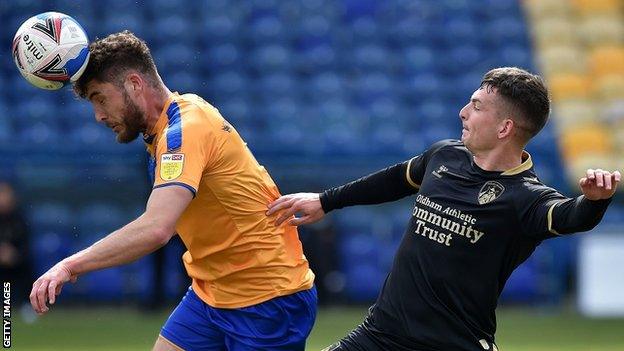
[(171, 166)]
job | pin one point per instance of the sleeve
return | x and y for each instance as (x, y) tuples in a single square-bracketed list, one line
[(386, 185), (185, 151), (389, 184), (550, 213)]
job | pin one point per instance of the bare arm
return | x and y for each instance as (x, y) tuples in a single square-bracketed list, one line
[(150, 231)]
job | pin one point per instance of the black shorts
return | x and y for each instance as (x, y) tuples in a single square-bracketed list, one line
[(367, 338), (359, 339)]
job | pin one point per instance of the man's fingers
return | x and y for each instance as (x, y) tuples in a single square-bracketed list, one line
[(591, 174), (52, 292), (285, 215), (33, 296), (599, 178), (617, 176), (583, 181), (607, 180), (298, 221), (279, 200), (41, 297), (279, 204)]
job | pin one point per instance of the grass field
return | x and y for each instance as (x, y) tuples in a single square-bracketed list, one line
[(127, 329)]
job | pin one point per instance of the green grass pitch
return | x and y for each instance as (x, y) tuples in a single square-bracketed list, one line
[(125, 329)]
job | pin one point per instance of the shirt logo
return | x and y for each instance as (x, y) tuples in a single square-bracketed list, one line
[(489, 192), (171, 166), (441, 169), (530, 179)]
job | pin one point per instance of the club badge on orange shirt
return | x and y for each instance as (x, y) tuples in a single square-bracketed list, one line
[(171, 166)]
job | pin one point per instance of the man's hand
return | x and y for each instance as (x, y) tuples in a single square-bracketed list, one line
[(599, 184), (307, 204), (49, 285)]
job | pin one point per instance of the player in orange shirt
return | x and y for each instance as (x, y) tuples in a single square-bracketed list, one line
[(251, 285)]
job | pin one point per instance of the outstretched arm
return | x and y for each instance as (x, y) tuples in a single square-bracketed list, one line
[(585, 212), (389, 184), (150, 231)]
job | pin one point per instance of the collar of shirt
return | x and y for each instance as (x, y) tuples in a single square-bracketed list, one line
[(163, 119)]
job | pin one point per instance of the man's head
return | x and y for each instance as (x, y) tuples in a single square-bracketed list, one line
[(511, 104), (120, 71)]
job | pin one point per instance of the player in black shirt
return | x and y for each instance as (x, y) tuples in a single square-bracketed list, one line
[(479, 212)]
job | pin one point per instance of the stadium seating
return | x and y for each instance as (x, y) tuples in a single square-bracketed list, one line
[(327, 82)]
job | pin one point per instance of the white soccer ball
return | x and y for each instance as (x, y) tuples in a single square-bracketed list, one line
[(51, 50)]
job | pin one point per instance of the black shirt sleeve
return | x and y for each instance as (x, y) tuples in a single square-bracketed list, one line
[(549, 213), (578, 215), (389, 184), (386, 185)]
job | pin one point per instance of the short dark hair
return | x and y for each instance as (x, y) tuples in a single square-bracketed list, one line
[(525, 93), (113, 56)]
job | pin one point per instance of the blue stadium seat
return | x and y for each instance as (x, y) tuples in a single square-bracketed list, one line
[(372, 86), (274, 85), (418, 59), (437, 113), (237, 110), (325, 85), (514, 55), (364, 30), (412, 30), (184, 81), (40, 136), (171, 8), (218, 28), (505, 30), (117, 21), (316, 58), (51, 216), (461, 59), (174, 57), (176, 28), (220, 57), (266, 29), (50, 247), (91, 136), (372, 57), (271, 58), (422, 87), (101, 218), (312, 32), (459, 31), (387, 138), (103, 285), (76, 113), (226, 84)]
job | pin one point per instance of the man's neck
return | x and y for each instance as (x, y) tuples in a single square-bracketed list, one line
[(499, 159), (155, 101)]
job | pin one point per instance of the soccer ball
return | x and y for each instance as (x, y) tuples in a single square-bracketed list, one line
[(51, 50)]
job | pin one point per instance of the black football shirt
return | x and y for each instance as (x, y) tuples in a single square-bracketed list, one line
[(469, 229)]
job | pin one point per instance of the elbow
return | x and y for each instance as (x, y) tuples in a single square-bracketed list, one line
[(161, 237)]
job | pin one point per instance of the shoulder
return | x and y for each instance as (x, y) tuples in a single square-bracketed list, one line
[(447, 146), (198, 117), (528, 188)]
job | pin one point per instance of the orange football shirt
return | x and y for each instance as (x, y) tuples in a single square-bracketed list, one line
[(235, 255)]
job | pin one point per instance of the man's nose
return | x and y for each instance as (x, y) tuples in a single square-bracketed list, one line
[(99, 116)]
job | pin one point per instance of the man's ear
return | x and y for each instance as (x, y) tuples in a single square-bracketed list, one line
[(134, 84), (505, 128)]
